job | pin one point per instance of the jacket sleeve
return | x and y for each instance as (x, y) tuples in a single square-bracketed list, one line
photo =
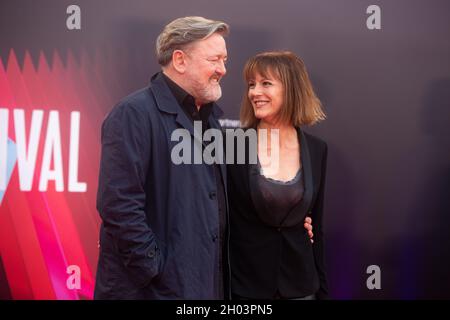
[(317, 222), (121, 197)]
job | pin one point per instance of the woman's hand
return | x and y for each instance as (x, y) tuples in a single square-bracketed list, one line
[(308, 226)]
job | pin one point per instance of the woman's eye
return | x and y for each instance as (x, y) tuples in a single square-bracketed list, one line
[(251, 85), (267, 83)]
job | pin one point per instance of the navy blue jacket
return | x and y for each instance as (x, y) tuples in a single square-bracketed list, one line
[(160, 221)]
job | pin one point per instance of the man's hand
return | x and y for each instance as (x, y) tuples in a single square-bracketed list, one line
[(308, 226)]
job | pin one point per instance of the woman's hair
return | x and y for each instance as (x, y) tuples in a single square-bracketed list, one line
[(183, 31), (300, 104)]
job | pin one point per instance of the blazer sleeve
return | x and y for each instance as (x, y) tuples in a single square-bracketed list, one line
[(121, 197), (317, 222)]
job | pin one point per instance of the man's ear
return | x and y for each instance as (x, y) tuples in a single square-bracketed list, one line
[(179, 61)]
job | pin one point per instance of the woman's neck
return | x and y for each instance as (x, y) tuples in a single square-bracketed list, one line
[(287, 132)]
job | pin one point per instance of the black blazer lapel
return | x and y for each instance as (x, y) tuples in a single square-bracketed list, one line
[(302, 208), (305, 204)]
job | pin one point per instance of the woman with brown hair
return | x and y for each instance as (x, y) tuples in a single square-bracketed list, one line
[(271, 255)]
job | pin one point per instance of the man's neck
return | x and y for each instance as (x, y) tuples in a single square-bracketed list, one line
[(179, 82), (175, 78)]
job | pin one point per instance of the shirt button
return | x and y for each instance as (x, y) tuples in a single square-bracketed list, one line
[(212, 195), (214, 238), (151, 253), (279, 229)]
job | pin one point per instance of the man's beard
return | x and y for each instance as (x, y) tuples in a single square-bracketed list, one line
[(211, 93), (206, 94)]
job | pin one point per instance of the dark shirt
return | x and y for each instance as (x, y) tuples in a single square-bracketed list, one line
[(187, 103), (274, 200)]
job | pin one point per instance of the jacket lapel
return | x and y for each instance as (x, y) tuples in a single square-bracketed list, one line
[(166, 102), (305, 204), (302, 208)]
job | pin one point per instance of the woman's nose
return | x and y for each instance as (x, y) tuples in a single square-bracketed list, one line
[(255, 90)]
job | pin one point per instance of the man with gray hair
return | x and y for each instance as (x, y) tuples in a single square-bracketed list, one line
[(164, 226)]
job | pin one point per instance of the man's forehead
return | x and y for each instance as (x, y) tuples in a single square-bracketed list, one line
[(213, 45)]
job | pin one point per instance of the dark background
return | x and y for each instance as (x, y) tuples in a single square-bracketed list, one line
[(386, 94)]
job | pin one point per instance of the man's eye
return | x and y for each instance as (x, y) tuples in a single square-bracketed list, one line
[(215, 60)]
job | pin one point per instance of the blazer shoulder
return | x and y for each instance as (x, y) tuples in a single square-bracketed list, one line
[(315, 141)]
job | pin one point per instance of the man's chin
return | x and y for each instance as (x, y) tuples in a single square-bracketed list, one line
[(215, 97)]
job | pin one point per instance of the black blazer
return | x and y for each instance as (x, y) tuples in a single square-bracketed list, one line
[(266, 258)]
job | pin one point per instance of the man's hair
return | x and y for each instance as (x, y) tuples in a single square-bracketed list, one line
[(300, 104), (183, 31)]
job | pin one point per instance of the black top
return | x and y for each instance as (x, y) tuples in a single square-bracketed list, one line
[(274, 199), (270, 260), (187, 103)]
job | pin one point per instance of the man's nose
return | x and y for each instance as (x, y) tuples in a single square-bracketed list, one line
[(221, 69)]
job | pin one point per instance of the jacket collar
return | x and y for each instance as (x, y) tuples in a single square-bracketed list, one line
[(165, 100)]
